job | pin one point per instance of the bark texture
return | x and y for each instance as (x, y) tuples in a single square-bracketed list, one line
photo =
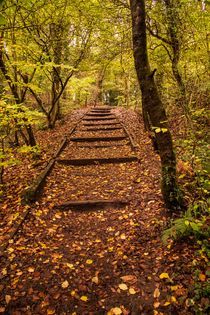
[(153, 107)]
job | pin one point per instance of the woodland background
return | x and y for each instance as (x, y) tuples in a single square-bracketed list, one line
[(56, 56)]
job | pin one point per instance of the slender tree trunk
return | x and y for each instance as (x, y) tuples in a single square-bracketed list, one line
[(153, 106), (17, 98), (56, 36), (173, 22)]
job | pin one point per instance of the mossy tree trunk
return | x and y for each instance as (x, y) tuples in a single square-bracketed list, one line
[(152, 105)]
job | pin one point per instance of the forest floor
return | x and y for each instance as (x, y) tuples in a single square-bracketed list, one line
[(98, 261)]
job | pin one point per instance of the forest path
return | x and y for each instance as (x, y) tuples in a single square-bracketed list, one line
[(106, 260), (97, 166)]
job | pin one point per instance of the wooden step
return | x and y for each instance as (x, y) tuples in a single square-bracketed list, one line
[(94, 161), (91, 139), (99, 118), (101, 129), (100, 110), (101, 123), (99, 114), (102, 145), (91, 203), (103, 107)]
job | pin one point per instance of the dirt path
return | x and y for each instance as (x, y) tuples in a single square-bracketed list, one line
[(96, 261)]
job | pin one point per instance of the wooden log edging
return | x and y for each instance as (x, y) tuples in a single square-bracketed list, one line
[(32, 192), (133, 145)]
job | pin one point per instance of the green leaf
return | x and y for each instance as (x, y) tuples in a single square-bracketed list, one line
[(2, 20)]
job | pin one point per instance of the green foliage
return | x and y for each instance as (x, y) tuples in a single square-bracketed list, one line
[(14, 117), (189, 225)]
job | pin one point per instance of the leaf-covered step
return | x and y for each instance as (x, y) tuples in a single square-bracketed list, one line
[(92, 161)]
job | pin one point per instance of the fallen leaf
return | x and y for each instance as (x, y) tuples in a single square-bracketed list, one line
[(174, 287), (122, 236), (8, 298), (50, 311), (166, 303), (202, 277), (71, 266), (156, 304), (65, 284), (132, 291), (95, 280), (89, 261), (84, 298), (31, 269), (2, 309), (115, 311), (123, 287), (173, 299), (164, 275), (156, 293), (129, 278)]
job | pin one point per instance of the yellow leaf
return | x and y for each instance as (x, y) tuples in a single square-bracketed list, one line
[(73, 293), (164, 275), (65, 284), (89, 261), (31, 269), (123, 286), (173, 299), (174, 287), (8, 298), (166, 303), (115, 311), (4, 271), (95, 280), (156, 293), (122, 236), (84, 298), (132, 291), (71, 266)]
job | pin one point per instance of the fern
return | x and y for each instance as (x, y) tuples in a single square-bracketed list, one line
[(186, 226)]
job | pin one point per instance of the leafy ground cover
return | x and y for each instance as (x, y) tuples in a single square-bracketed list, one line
[(105, 261)]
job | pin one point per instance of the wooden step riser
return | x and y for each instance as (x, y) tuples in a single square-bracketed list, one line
[(99, 114), (103, 146), (83, 162), (101, 124), (99, 118), (101, 129), (93, 139), (90, 203)]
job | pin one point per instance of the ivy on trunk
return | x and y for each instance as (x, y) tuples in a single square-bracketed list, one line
[(153, 107)]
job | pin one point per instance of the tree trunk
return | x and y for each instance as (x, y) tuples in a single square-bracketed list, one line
[(153, 106), (17, 98), (56, 36), (173, 22)]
